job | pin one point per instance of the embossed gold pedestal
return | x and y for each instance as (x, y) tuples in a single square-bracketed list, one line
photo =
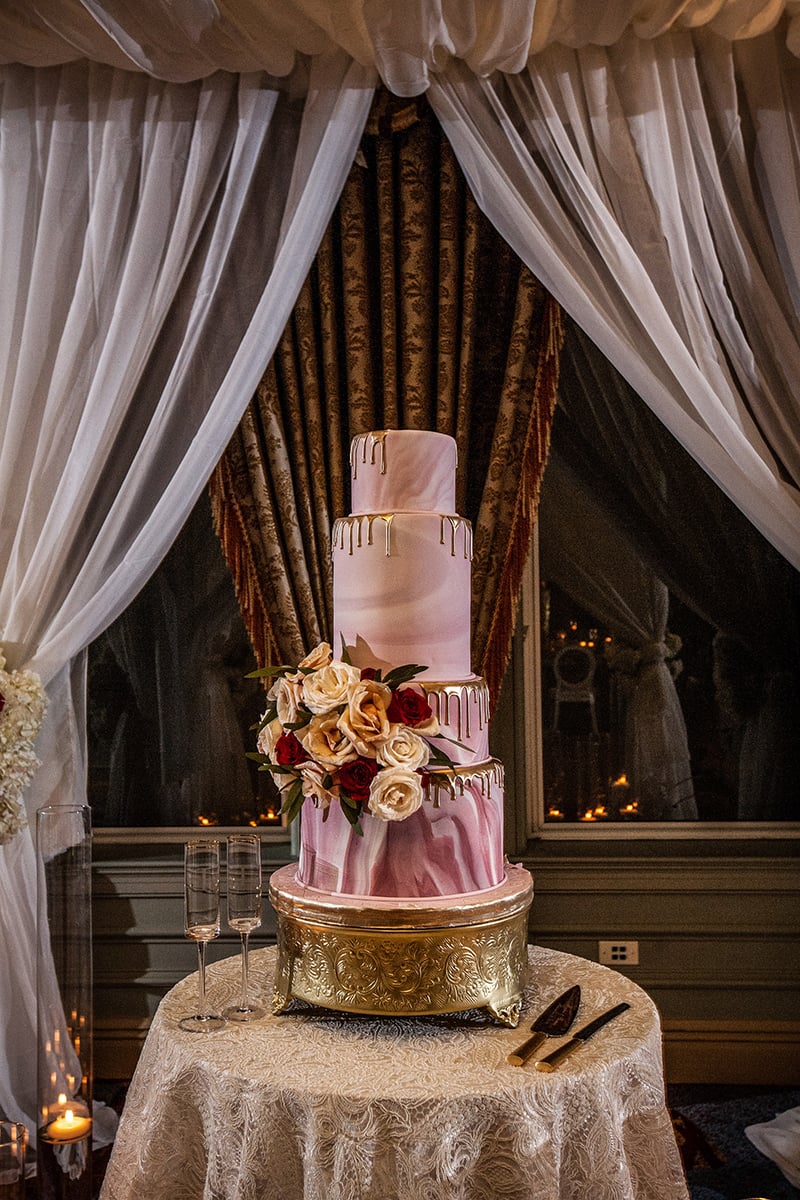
[(387, 957)]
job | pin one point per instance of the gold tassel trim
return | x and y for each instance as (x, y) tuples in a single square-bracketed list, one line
[(231, 529), (534, 456)]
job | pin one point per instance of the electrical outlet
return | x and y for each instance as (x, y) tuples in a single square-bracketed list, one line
[(618, 953)]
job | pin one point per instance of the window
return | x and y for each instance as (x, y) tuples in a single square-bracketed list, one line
[(170, 704)]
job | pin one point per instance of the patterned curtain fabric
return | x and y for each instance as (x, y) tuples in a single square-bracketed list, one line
[(416, 314)]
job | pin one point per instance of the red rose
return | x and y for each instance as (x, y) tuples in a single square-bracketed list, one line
[(289, 751), (2, 702), (368, 672), (356, 776), (408, 707)]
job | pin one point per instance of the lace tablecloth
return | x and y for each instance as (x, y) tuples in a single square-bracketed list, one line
[(325, 1106)]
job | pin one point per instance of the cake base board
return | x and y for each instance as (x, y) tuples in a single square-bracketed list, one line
[(403, 958)]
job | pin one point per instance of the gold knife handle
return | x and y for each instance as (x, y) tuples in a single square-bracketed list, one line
[(523, 1052), (551, 1062)]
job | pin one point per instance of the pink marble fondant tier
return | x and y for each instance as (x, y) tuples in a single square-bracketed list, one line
[(403, 471), (401, 591), (450, 846)]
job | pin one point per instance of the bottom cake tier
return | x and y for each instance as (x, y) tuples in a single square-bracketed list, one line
[(451, 845), (418, 958)]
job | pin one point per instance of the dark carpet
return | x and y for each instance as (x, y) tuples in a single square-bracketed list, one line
[(720, 1161)]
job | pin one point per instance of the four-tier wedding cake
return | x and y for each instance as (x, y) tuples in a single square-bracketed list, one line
[(401, 596)]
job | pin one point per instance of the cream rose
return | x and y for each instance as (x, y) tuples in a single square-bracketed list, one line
[(312, 775), (404, 748), (288, 697), (395, 793), (324, 741), (265, 744), (267, 737), (364, 721), (329, 687)]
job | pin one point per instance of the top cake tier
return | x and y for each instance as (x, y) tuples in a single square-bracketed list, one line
[(403, 470)]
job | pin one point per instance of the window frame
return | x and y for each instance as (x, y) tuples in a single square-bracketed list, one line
[(529, 791)]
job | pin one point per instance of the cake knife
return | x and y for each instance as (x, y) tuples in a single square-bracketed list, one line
[(582, 1035), (553, 1022)]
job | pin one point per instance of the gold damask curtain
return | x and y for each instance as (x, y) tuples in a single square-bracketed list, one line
[(416, 314)]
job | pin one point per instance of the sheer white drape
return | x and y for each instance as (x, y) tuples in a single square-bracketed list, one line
[(653, 188), (152, 242), (589, 556)]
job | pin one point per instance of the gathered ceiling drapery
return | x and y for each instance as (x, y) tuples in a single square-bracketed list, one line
[(416, 315), (128, 224)]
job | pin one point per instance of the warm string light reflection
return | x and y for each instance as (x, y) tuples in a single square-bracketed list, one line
[(270, 816)]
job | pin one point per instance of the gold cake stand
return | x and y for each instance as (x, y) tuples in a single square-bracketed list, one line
[(387, 957)]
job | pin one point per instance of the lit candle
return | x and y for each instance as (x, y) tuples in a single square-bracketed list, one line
[(69, 1127)]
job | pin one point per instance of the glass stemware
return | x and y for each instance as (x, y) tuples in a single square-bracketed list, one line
[(244, 910), (201, 922)]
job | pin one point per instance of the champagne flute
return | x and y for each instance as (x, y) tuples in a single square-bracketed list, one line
[(244, 910), (201, 922)]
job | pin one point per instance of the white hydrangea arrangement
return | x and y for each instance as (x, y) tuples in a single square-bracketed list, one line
[(22, 706)]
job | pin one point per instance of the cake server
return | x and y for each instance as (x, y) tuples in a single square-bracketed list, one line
[(579, 1037), (553, 1022)]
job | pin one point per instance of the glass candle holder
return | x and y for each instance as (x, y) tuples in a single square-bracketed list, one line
[(13, 1144), (64, 979)]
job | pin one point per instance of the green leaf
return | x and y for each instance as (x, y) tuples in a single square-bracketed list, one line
[(269, 715), (278, 769), (300, 724), (400, 675), (267, 672), (349, 801), (439, 758), (345, 652), (352, 816), (293, 801)]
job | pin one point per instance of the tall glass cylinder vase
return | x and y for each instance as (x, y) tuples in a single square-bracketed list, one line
[(64, 980)]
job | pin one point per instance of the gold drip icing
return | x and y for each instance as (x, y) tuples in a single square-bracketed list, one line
[(348, 531), (455, 780), (455, 523), (459, 698), (366, 444)]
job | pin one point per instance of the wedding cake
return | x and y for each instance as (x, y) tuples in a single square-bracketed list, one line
[(401, 595), (380, 742), (390, 740)]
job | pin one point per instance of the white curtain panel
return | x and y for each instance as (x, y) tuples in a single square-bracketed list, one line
[(153, 239), (653, 187)]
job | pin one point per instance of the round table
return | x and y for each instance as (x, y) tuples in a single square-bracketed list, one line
[(316, 1105)]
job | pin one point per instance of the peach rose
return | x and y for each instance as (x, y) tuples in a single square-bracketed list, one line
[(364, 721), (395, 794), (324, 741), (320, 656)]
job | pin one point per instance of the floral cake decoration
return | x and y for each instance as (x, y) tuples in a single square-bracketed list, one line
[(22, 706), (336, 733)]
